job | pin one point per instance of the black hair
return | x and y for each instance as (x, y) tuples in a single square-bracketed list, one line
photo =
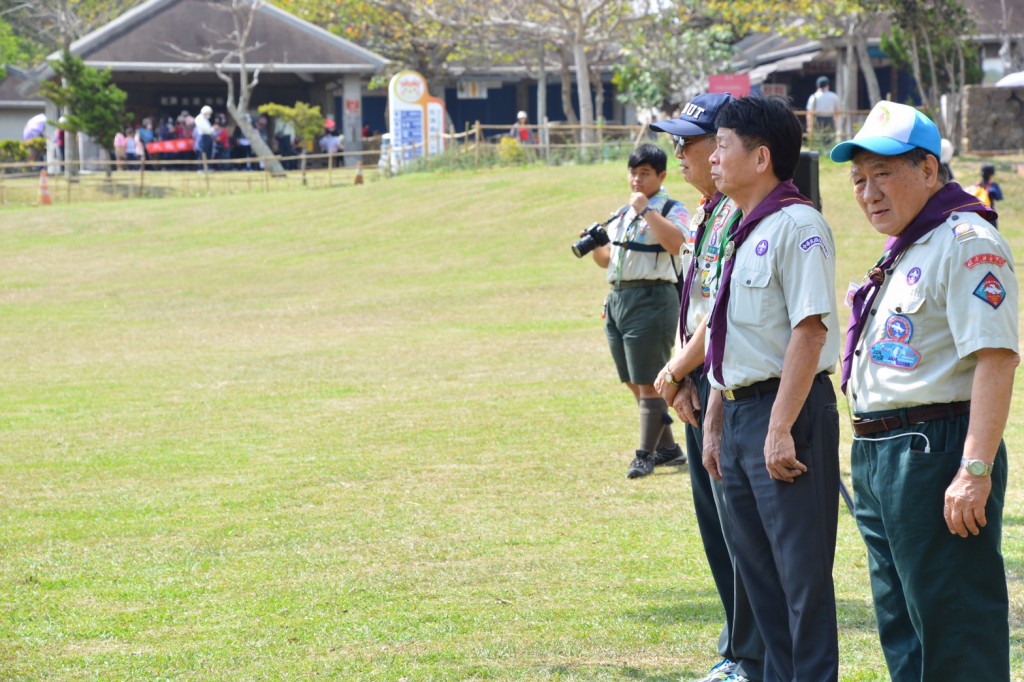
[(917, 155), (987, 171), (766, 121), (651, 155)]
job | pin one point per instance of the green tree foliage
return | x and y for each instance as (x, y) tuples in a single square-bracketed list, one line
[(92, 103), (307, 120), (669, 55)]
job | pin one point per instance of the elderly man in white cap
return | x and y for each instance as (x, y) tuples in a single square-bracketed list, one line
[(928, 369), (204, 134)]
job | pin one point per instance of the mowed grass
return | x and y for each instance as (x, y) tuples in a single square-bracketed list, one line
[(361, 433)]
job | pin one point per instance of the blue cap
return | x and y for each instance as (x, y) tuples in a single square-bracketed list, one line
[(892, 129), (698, 117)]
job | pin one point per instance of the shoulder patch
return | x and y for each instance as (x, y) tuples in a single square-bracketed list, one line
[(811, 242), (985, 259), (990, 290), (963, 231)]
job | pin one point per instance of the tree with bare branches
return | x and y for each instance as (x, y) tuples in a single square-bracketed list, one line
[(227, 54)]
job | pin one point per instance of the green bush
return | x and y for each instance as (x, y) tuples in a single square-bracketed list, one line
[(13, 151)]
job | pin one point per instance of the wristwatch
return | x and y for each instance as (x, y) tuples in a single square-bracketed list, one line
[(669, 379), (976, 467)]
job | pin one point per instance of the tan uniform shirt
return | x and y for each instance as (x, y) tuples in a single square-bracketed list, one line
[(952, 293), (784, 273)]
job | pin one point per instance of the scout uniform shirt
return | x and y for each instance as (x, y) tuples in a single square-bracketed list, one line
[(627, 264), (953, 292), (784, 273), (709, 254)]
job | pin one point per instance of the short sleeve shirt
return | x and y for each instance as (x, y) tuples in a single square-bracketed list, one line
[(709, 255), (952, 293), (629, 264), (783, 274), (823, 103)]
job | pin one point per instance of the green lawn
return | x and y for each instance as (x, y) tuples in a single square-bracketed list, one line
[(357, 433)]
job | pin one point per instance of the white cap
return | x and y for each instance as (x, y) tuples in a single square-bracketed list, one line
[(206, 111), (522, 114), (945, 150)]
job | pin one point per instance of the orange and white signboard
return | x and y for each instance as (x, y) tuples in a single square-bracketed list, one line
[(415, 119)]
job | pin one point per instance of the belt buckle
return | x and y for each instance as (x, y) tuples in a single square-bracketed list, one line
[(729, 395)]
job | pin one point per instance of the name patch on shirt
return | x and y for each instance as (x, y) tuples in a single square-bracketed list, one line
[(895, 350), (991, 290), (810, 243), (985, 259)]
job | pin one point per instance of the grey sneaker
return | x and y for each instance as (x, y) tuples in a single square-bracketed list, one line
[(642, 465), (669, 456), (723, 670)]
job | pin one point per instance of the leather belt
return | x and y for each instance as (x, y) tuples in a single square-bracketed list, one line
[(760, 388), (901, 419), (636, 283)]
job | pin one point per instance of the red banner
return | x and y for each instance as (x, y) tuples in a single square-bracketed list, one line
[(168, 146)]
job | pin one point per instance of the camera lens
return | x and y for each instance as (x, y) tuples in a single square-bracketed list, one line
[(584, 246)]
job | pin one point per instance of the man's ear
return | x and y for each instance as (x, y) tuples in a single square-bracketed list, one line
[(930, 168), (662, 175), (764, 159)]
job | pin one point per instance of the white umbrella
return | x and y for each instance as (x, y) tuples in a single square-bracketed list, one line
[(35, 127), (1012, 80)]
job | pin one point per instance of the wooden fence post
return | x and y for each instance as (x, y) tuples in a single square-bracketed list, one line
[(477, 144)]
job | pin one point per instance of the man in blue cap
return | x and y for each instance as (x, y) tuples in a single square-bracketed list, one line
[(684, 385), (928, 369)]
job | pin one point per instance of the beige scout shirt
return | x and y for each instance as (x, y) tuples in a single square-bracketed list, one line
[(784, 273), (952, 293), (708, 274), (626, 264)]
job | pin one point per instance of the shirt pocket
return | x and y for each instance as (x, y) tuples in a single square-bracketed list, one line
[(905, 302), (750, 291)]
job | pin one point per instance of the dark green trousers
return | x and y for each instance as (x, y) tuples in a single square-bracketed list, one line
[(940, 600)]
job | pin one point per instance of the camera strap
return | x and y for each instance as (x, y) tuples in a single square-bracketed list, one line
[(649, 248)]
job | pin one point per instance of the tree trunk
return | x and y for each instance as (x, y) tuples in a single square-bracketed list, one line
[(567, 107), (870, 77), (583, 89)]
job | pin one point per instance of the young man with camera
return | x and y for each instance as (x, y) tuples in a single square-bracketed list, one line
[(646, 237)]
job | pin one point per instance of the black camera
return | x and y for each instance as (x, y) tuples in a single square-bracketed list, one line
[(593, 237)]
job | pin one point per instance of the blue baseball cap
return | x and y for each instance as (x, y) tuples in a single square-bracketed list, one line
[(892, 129), (698, 117)]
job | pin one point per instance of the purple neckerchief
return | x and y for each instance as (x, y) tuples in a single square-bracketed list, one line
[(684, 303), (784, 194), (943, 203)]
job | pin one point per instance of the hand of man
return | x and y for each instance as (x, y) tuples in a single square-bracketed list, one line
[(965, 503), (687, 402), (666, 390), (780, 456), (639, 201), (712, 459)]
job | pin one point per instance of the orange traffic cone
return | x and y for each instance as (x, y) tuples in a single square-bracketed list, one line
[(44, 189), (359, 173)]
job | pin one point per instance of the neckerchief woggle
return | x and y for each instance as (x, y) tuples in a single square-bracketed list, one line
[(939, 207), (784, 194)]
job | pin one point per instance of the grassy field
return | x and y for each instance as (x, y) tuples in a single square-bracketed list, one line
[(358, 433)]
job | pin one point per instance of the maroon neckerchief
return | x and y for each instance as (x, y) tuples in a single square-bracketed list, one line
[(709, 206), (944, 202), (784, 194)]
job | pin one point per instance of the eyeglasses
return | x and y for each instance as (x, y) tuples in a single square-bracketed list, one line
[(684, 142)]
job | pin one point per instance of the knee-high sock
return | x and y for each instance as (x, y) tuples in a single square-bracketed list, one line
[(652, 422)]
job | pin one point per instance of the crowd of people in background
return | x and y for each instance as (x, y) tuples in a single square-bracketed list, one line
[(217, 144)]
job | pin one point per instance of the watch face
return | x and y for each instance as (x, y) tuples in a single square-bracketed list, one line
[(977, 468)]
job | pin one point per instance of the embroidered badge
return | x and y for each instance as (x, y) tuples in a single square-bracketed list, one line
[(762, 247), (895, 349), (723, 215), (991, 290), (810, 243), (985, 259), (730, 249), (962, 230), (913, 276)]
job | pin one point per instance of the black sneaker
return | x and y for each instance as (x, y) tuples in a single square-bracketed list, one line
[(669, 456), (642, 465)]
